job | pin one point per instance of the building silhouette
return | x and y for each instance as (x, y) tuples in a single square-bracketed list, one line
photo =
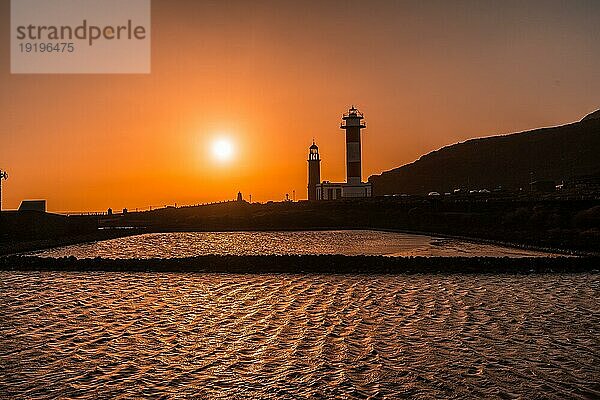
[(33, 205), (352, 124)]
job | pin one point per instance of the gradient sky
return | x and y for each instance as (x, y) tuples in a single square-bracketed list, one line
[(271, 75)]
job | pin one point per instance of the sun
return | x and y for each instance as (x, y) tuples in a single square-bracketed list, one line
[(222, 149)]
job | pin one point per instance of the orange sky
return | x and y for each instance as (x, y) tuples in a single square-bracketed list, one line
[(271, 75)]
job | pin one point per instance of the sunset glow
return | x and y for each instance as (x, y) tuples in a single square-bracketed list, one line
[(277, 75), (299, 199)]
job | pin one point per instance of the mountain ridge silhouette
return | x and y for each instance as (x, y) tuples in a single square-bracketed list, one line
[(509, 161)]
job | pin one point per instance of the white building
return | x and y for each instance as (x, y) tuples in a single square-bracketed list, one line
[(335, 191)]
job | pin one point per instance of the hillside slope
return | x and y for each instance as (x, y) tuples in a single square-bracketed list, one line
[(510, 161)]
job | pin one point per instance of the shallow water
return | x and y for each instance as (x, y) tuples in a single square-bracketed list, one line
[(105, 335), (360, 242)]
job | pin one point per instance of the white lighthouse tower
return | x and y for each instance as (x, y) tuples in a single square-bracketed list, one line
[(3, 176), (314, 171), (352, 123)]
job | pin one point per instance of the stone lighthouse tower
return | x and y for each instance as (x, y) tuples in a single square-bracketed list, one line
[(314, 171), (352, 123)]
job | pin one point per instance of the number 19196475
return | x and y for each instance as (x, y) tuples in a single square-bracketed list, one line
[(35, 47)]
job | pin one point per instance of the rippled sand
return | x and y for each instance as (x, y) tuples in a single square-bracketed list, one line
[(358, 242), (118, 335)]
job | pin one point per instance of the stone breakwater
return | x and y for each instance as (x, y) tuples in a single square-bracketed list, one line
[(330, 264)]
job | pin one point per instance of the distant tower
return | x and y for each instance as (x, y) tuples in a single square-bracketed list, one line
[(352, 123), (239, 197), (3, 176), (314, 171)]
